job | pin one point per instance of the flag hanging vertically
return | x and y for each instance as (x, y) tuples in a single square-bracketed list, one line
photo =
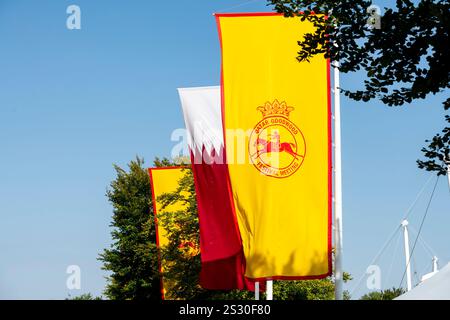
[(276, 113), (223, 263), (164, 180)]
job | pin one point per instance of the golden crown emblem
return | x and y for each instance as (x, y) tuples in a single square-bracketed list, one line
[(275, 108)]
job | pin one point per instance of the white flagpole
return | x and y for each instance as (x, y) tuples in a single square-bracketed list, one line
[(256, 290), (338, 272), (407, 255), (269, 290)]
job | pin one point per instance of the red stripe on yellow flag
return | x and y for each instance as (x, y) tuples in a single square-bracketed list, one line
[(276, 116)]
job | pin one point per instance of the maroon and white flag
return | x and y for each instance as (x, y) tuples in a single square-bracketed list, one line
[(223, 262)]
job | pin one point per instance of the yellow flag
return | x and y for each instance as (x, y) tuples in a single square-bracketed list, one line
[(164, 180), (276, 114)]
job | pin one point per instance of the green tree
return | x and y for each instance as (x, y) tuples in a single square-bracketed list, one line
[(304, 290), (407, 58), (132, 258), (84, 296), (388, 294)]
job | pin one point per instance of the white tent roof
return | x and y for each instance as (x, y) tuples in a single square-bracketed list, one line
[(435, 288)]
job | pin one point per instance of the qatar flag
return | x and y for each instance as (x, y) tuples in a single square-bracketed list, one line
[(223, 262)]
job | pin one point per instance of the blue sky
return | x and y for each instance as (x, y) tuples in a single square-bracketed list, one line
[(73, 102)]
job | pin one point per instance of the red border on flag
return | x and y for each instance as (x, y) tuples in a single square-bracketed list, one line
[(330, 165)]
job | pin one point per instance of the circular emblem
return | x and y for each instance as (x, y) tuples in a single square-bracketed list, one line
[(276, 146)]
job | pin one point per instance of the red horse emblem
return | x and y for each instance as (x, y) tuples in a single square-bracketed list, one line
[(264, 141), (274, 146)]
